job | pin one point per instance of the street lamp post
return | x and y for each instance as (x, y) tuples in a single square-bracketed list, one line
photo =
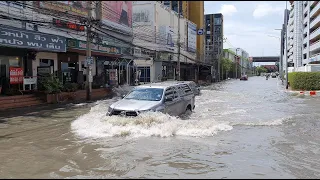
[(237, 63)]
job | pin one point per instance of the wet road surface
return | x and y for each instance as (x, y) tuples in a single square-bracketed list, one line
[(239, 129)]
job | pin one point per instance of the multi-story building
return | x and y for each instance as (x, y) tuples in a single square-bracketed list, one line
[(311, 31), (214, 40), (283, 41), (244, 61), (193, 11), (302, 35), (295, 32), (156, 34)]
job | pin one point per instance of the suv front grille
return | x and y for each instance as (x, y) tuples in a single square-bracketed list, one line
[(127, 113)]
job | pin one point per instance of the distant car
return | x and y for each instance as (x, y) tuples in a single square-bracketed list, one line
[(273, 75), (171, 98), (244, 78)]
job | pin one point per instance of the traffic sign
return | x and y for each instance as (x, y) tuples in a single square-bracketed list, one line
[(89, 60), (200, 32)]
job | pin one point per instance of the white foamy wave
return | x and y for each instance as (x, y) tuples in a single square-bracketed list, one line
[(97, 125)]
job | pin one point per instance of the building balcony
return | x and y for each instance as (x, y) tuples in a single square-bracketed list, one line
[(291, 28), (313, 3), (290, 22), (306, 20), (315, 23), (305, 10), (314, 35), (305, 30), (305, 50), (290, 50), (290, 42), (291, 14), (315, 11), (315, 47), (305, 2), (305, 40), (315, 57)]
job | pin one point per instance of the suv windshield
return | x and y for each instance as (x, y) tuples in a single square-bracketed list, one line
[(147, 94)]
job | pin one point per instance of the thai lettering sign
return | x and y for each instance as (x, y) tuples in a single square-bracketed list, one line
[(82, 45), (15, 37), (16, 75)]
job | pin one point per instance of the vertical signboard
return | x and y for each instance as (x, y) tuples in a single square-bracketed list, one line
[(192, 37), (16, 75)]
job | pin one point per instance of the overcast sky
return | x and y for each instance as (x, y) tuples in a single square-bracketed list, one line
[(249, 24)]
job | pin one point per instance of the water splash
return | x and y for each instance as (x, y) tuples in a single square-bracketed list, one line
[(97, 125)]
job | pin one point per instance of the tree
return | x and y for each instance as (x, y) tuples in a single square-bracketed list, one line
[(226, 65), (261, 69)]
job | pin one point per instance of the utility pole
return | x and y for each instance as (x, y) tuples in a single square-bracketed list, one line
[(286, 50), (219, 61), (179, 45), (236, 61), (88, 53)]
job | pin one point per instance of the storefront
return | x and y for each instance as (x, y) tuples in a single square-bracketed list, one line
[(18, 54), (149, 70), (105, 58)]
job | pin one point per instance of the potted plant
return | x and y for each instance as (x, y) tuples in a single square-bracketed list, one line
[(51, 87)]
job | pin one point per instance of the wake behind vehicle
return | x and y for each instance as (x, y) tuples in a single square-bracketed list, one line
[(171, 98)]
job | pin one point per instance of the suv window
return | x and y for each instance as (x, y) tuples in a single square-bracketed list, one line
[(186, 89), (169, 93)]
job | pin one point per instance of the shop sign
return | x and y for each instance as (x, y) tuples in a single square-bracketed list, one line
[(29, 81), (82, 45), (89, 60), (42, 71), (15, 37), (16, 75)]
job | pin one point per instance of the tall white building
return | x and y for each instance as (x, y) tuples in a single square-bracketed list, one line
[(295, 32), (303, 34), (311, 32)]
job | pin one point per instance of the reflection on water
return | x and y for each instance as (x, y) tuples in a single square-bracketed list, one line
[(239, 129)]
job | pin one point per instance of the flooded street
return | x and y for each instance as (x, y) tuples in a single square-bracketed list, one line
[(239, 129)]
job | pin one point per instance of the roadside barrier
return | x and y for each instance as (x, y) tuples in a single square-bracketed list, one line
[(302, 93)]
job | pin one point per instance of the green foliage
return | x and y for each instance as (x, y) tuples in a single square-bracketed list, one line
[(304, 80), (50, 84), (261, 69), (226, 64), (70, 87)]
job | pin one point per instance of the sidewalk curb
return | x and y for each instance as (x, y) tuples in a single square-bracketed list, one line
[(308, 93)]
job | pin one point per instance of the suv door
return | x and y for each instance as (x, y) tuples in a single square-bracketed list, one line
[(172, 101), (168, 101)]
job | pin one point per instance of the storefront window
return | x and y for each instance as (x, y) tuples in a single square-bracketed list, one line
[(145, 74), (15, 61), (46, 62)]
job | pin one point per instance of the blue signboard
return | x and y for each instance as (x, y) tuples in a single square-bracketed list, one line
[(20, 38)]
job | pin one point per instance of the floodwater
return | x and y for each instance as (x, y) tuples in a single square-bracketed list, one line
[(239, 129)]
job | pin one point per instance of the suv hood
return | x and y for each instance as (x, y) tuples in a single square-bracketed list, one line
[(132, 105)]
